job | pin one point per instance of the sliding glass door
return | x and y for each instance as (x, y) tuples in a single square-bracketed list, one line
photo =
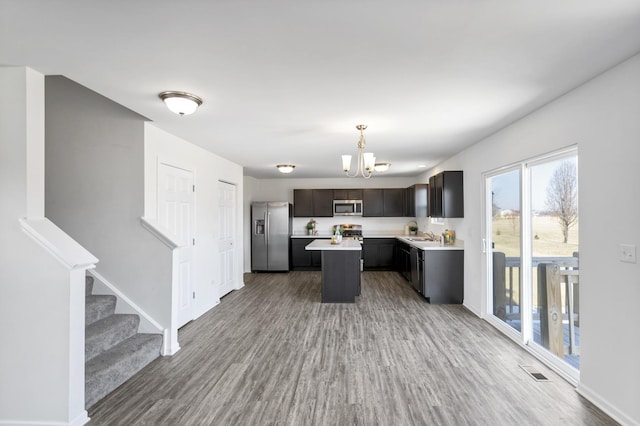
[(531, 246), (504, 227)]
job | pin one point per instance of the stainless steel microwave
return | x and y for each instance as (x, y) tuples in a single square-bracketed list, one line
[(347, 207)]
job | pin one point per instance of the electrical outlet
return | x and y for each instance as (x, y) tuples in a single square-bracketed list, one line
[(628, 253)]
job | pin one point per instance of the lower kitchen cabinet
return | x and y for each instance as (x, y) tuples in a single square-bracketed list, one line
[(379, 253), (443, 280), (304, 260), (437, 274)]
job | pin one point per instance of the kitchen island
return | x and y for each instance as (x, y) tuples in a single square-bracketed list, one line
[(340, 269)]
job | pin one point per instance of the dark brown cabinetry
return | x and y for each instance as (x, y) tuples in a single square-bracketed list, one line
[(393, 202), (379, 253), (446, 196), (443, 276), (372, 202), (436, 274), (377, 202), (416, 200), (304, 260), (347, 194), (387, 202), (313, 202)]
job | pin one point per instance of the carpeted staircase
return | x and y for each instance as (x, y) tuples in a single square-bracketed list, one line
[(114, 350)]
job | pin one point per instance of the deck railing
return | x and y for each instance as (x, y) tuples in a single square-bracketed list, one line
[(555, 276)]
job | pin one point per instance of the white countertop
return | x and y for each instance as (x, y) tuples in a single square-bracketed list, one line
[(430, 245), (322, 244), (415, 241)]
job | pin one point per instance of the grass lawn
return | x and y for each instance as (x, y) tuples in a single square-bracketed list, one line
[(506, 236)]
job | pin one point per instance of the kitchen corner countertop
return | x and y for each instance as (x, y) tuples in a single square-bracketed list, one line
[(322, 244), (420, 243)]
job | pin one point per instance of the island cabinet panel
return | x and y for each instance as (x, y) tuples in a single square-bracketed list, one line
[(313, 203), (340, 276), (383, 202), (379, 254), (444, 276), (304, 260), (347, 194), (446, 196)]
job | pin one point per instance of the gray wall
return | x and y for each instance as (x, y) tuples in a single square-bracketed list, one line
[(94, 191)]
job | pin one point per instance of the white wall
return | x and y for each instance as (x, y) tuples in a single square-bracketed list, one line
[(603, 118), (282, 190), (208, 170), (95, 192), (41, 302)]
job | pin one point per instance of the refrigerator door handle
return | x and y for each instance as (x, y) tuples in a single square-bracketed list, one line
[(266, 230)]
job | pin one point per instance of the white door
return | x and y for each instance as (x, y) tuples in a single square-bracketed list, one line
[(227, 235), (176, 212)]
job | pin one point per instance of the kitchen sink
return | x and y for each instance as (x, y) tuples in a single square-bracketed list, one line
[(418, 239)]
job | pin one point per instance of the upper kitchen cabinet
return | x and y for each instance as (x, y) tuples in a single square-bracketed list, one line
[(347, 194), (387, 202), (446, 197), (372, 202), (416, 198), (313, 202), (393, 202)]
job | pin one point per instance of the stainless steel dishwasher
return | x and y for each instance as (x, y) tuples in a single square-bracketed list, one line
[(417, 269)]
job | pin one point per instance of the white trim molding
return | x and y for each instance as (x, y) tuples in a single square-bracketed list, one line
[(605, 406), (161, 233), (63, 248)]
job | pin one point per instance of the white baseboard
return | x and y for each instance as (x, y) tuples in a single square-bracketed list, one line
[(605, 406), (169, 345), (80, 420)]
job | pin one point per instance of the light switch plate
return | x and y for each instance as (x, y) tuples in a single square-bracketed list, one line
[(628, 253)]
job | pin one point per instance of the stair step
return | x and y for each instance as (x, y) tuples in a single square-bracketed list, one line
[(108, 332), (107, 371), (88, 285), (97, 307)]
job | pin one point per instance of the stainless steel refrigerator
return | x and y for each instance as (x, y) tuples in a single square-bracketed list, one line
[(270, 231)]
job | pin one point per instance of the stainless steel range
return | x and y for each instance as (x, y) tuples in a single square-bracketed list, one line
[(352, 232)]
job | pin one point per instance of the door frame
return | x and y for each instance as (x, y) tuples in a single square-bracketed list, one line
[(525, 337)]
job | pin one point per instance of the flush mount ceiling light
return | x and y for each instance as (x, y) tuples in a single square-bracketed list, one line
[(182, 103), (366, 160), (285, 168), (381, 167)]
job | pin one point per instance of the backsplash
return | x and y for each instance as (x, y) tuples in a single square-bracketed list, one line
[(392, 225)]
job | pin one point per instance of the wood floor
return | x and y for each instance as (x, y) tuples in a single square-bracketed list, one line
[(272, 354)]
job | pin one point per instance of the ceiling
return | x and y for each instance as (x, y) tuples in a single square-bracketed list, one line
[(287, 81)]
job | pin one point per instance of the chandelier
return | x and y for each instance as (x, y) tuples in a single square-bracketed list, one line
[(366, 160)]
